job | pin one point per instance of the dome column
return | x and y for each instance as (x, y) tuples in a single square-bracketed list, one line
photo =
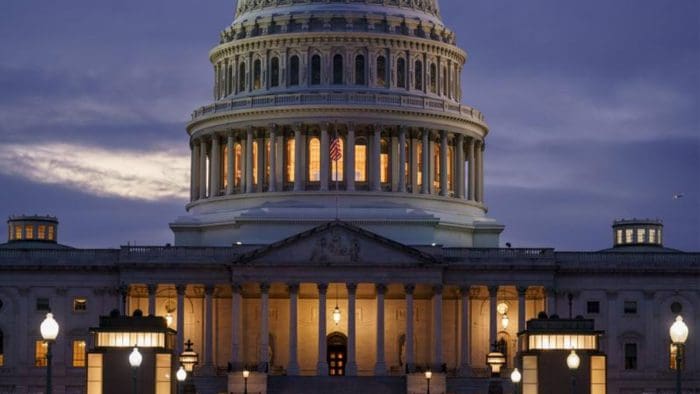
[(260, 170), (272, 186), (425, 184), (437, 327), (202, 169), (194, 171), (443, 163), (215, 166), (402, 159), (293, 365), (414, 163), (459, 166), (376, 161), (350, 159), (325, 157), (249, 160), (482, 148), (264, 326), (472, 170), (230, 155), (298, 153)]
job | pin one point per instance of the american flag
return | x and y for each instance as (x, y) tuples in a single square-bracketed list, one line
[(335, 152)]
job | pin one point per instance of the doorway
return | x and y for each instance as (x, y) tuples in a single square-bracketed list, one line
[(337, 353)]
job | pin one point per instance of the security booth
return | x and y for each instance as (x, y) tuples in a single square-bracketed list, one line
[(561, 356), (132, 354)]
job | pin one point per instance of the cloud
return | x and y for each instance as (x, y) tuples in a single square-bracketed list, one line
[(140, 175)]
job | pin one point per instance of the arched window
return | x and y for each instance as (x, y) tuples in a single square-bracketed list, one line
[(314, 160), (294, 71), (275, 72), (2, 349), (257, 83), (361, 160), (401, 73), (359, 70), (339, 171), (289, 155), (381, 71), (384, 161), (337, 69), (241, 77), (433, 78), (419, 75), (237, 171), (315, 70)]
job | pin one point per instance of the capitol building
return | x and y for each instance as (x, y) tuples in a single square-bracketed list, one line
[(337, 236)]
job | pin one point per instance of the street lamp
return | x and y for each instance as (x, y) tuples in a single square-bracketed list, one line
[(49, 331), (246, 373), (573, 361), (189, 358), (515, 377), (181, 375), (428, 376), (135, 359), (496, 360), (679, 334)]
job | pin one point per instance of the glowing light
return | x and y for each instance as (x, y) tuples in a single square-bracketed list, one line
[(505, 321), (49, 328), (573, 360), (169, 319), (515, 376), (336, 315), (678, 331), (135, 358)]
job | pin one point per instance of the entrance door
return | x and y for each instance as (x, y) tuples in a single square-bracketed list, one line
[(337, 351)]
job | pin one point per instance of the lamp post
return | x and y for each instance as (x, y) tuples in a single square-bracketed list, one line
[(135, 359), (246, 373), (496, 360), (49, 331), (189, 358), (181, 375), (428, 376), (679, 334), (515, 377), (573, 361)]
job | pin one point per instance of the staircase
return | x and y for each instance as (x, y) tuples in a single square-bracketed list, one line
[(336, 385)]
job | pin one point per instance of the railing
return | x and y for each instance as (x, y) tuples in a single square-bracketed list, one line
[(394, 100), (621, 260), (172, 254), (498, 253), (58, 256)]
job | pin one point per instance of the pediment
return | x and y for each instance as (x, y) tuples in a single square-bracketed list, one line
[(337, 243)]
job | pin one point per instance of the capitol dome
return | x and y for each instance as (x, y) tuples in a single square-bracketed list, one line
[(337, 110)]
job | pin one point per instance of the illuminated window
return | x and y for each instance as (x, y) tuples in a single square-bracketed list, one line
[(381, 71), (592, 307), (407, 164), (29, 231), (18, 232), (79, 304), (628, 235), (42, 304), (314, 160), (598, 375), (359, 70), (2, 349), (361, 161), (51, 235), (255, 162), (419, 171), (529, 382), (339, 163), (401, 73), (630, 356), (78, 354), (641, 235), (289, 154), (163, 373), (338, 69), (41, 231), (257, 80), (315, 70), (94, 373), (40, 350), (618, 235), (433, 78), (241, 77), (238, 160), (274, 72), (652, 236), (630, 307), (224, 166), (419, 75), (294, 71), (384, 162)]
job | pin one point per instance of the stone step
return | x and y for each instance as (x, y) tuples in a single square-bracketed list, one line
[(336, 385)]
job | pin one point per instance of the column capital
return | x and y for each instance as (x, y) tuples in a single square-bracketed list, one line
[(474, 292), (493, 290), (437, 289), (521, 290), (272, 126), (352, 288), (465, 290), (409, 288), (322, 288), (180, 288), (380, 288), (236, 288), (264, 287), (152, 288), (293, 288), (460, 138), (209, 289), (350, 126)]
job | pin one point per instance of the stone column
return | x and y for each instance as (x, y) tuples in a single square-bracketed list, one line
[(472, 170), (322, 365), (298, 165), (208, 327), (459, 166), (152, 288), (402, 159), (376, 160), (180, 289), (550, 294), (443, 164), (464, 332), (293, 366), (264, 327), (425, 185), (193, 171), (414, 164), (261, 164), (272, 187), (351, 367), (482, 147), (202, 169), (215, 184), (493, 315), (230, 158), (437, 327), (350, 159), (236, 327), (380, 364), (409, 288), (522, 290), (325, 157), (249, 160)]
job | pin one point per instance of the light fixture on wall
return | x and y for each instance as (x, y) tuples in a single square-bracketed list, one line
[(336, 311)]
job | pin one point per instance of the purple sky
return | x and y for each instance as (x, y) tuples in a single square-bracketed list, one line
[(594, 108)]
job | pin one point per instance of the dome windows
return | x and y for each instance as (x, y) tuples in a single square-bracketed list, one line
[(32, 228), (644, 232), (241, 77), (433, 78), (257, 74)]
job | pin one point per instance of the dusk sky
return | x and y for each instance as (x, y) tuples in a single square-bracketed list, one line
[(594, 110)]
